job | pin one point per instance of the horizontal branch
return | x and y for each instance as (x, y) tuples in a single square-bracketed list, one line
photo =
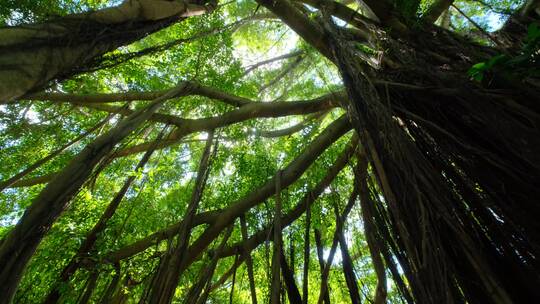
[(190, 88), (189, 126), (250, 111)]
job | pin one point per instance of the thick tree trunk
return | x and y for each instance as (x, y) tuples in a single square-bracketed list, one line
[(456, 146), (32, 55)]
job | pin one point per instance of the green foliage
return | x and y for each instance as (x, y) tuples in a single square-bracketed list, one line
[(525, 64)]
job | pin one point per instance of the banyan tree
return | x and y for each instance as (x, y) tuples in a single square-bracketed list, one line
[(270, 151)]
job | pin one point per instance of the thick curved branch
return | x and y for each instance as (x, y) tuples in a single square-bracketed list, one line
[(344, 13), (289, 174), (35, 54), (20, 244), (300, 23), (250, 111), (219, 218), (189, 126), (309, 198)]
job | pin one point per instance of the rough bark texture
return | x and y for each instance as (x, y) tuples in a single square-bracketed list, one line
[(470, 181), (275, 287), (32, 55), (249, 263)]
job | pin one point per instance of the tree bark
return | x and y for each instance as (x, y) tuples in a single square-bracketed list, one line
[(369, 229), (211, 217), (436, 10), (249, 263), (348, 270), (277, 248), (289, 174), (461, 141), (288, 277), (305, 281), (33, 55), (340, 222), (320, 256)]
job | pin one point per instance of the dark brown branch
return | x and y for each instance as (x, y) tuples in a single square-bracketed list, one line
[(206, 277), (307, 201), (250, 111), (188, 88), (277, 250), (305, 284), (288, 277), (344, 13), (320, 257), (292, 129), (340, 222), (300, 23), (370, 229), (91, 286), (188, 126), (348, 268), (290, 174), (249, 263)]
